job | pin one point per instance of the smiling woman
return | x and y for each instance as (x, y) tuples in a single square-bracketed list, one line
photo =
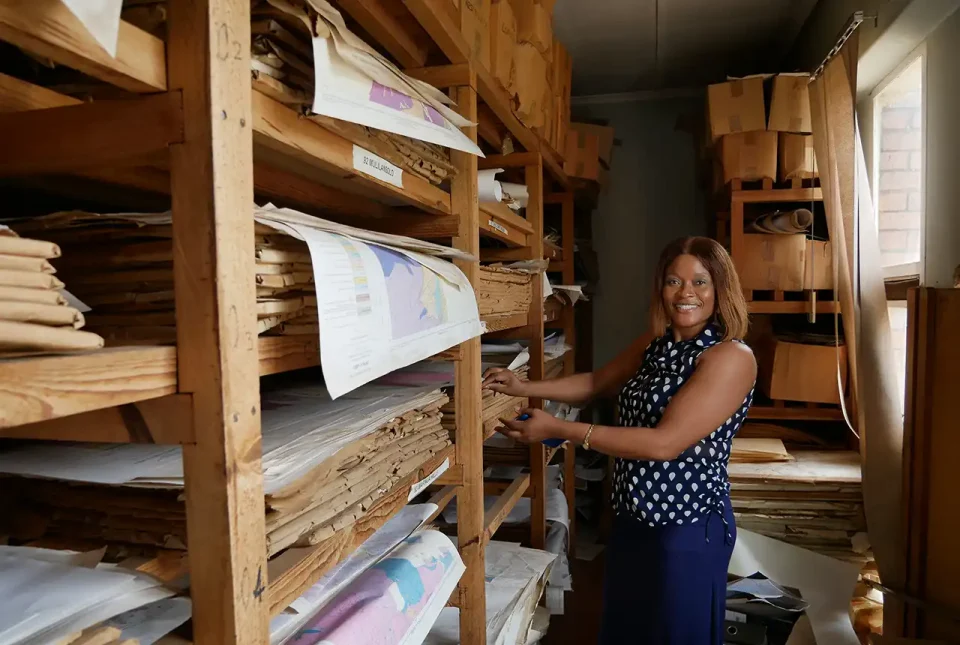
[(684, 390)]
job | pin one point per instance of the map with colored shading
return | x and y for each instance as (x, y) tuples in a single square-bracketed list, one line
[(393, 602), (417, 300)]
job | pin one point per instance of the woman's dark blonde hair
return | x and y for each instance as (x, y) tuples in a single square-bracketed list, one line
[(731, 308)]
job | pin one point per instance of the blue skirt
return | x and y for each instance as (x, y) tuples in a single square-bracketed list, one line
[(666, 585)]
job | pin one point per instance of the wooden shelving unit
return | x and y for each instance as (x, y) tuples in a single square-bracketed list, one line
[(198, 132)]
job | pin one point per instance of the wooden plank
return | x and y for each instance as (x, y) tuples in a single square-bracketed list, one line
[(297, 569), (43, 388), (73, 137), (278, 354), (467, 397), (50, 30), (568, 242), (553, 164), (499, 222), (504, 504), (414, 224), (165, 420), (489, 129), (496, 487), (784, 413), (301, 192), (776, 195), (441, 498), (212, 196), (790, 306), (445, 76), (279, 128), (380, 21), (453, 476), (538, 477), (504, 255), (514, 160), (439, 20), (499, 103), (503, 323)]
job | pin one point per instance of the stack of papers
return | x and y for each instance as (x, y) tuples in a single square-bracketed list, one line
[(516, 577), (49, 595), (759, 451), (324, 463)]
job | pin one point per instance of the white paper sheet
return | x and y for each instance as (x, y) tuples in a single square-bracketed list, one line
[(825, 583), (101, 18), (488, 188), (517, 195), (46, 598), (380, 310), (150, 623), (398, 528), (344, 92)]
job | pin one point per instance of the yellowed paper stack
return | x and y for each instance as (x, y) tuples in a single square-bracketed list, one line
[(34, 314), (503, 292)]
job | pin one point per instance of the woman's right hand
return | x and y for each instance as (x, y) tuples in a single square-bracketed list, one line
[(503, 381)]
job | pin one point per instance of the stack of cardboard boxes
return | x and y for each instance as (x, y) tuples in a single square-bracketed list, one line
[(588, 152), (747, 136), (514, 40)]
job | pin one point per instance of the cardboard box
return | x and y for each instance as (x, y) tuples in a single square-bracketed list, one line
[(818, 265), (736, 106), (535, 25), (605, 136), (531, 85), (797, 158), (582, 155), (790, 104), (475, 27), (772, 262), (562, 81), (749, 156), (796, 372), (503, 43)]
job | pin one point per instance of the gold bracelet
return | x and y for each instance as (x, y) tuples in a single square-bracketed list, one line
[(586, 437)]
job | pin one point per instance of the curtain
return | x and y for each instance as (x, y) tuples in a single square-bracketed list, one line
[(873, 397)]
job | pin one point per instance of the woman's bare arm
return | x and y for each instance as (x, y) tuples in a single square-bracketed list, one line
[(715, 391), (579, 389)]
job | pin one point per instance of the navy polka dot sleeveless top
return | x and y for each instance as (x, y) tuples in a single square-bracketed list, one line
[(689, 488)]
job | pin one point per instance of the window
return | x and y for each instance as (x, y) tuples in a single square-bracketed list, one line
[(898, 116)]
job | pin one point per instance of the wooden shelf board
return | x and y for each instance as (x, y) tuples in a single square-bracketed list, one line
[(789, 307), (502, 323), (794, 413), (777, 195), (494, 517), (442, 497), (499, 222), (47, 387), (297, 569), (552, 252)]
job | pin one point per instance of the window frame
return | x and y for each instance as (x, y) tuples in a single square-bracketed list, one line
[(910, 269)]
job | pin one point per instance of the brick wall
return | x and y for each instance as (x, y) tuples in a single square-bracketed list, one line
[(900, 204)]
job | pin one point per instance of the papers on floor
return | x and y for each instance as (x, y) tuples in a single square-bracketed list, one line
[(355, 83), (380, 308), (516, 577), (48, 595), (385, 539), (823, 582), (301, 427), (393, 602)]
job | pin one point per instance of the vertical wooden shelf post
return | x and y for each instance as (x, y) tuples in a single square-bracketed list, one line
[(538, 518), (469, 438), (212, 195), (568, 242)]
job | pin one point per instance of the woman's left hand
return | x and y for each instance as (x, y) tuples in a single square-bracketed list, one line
[(541, 425)]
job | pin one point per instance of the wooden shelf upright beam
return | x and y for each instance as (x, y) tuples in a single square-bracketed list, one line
[(568, 242), (212, 196), (538, 481), (467, 397)]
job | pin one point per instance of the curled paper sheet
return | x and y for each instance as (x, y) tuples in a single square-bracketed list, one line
[(783, 222), (515, 194), (488, 188)]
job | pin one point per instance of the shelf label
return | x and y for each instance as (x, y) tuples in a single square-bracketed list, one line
[(421, 485), (377, 167), (498, 227)]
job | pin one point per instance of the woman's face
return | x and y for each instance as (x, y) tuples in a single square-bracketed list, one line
[(688, 294)]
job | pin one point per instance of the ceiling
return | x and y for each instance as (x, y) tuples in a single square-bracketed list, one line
[(630, 45)]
